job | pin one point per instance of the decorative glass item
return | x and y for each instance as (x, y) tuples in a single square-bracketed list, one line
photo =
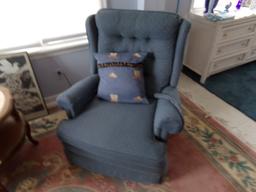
[(239, 4), (210, 5), (227, 7)]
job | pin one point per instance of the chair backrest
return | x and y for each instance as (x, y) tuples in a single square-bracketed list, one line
[(161, 34)]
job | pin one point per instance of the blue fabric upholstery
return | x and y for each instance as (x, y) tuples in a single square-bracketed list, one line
[(92, 34), (101, 132), (126, 140), (179, 53), (168, 116), (121, 77), (152, 32), (74, 100)]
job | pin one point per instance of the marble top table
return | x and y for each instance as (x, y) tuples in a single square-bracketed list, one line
[(6, 103)]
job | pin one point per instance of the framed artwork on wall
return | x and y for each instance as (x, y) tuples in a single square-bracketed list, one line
[(16, 73)]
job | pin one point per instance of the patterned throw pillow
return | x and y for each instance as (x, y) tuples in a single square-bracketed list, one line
[(121, 77)]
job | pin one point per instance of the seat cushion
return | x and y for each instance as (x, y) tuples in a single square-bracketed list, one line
[(116, 132)]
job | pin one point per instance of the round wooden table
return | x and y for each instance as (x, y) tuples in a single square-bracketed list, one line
[(6, 103), (13, 128)]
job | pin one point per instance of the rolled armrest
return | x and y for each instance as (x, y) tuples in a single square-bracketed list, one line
[(168, 116), (74, 99)]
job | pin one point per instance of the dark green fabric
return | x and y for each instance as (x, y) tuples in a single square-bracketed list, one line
[(236, 86)]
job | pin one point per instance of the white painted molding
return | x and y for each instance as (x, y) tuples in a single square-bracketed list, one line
[(51, 101), (104, 3), (56, 52), (141, 4), (155, 5)]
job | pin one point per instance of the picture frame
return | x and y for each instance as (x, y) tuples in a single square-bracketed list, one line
[(16, 73)]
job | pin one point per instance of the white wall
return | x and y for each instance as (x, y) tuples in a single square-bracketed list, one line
[(165, 5), (122, 4), (155, 5), (74, 63), (184, 7)]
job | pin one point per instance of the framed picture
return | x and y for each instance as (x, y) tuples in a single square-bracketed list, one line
[(16, 73)]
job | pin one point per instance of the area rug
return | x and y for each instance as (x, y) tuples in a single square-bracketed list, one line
[(236, 87), (201, 158)]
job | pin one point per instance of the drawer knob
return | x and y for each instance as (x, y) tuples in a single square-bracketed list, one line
[(251, 28), (219, 51), (244, 44), (225, 35), (240, 58)]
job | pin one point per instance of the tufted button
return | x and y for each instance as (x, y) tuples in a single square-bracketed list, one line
[(120, 36), (147, 38), (133, 38)]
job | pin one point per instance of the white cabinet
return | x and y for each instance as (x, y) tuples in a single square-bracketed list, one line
[(214, 47)]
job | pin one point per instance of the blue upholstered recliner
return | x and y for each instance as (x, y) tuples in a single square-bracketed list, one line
[(127, 141)]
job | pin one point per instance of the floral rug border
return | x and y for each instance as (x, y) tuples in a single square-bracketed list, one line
[(235, 163), (217, 126)]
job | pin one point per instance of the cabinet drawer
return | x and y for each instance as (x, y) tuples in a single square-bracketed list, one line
[(228, 62), (236, 31), (232, 47), (252, 54)]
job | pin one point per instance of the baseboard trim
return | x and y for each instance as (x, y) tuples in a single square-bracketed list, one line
[(51, 101)]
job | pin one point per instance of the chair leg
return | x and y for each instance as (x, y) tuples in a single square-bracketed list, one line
[(28, 133)]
